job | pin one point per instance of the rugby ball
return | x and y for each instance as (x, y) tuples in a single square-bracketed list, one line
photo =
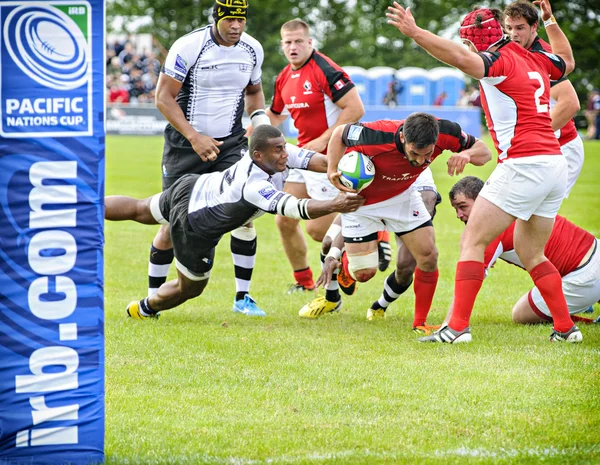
[(357, 170)]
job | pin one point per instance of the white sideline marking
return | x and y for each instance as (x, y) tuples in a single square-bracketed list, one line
[(501, 453)]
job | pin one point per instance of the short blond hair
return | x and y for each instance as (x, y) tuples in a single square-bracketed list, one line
[(295, 24)]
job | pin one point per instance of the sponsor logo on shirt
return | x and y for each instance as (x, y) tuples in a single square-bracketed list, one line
[(293, 98), (180, 65), (354, 132), (340, 84), (404, 177), (267, 192), (298, 105), (294, 76)]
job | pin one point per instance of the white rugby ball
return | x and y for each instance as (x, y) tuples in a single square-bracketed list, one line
[(357, 170)]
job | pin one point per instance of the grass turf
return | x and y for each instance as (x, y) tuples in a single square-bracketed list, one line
[(204, 385)]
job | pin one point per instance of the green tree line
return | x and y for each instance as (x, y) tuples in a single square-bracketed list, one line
[(355, 32)]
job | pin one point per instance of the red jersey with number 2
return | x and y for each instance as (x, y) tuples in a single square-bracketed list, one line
[(515, 94)]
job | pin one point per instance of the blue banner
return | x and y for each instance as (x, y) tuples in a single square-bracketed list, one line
[(51, 232)]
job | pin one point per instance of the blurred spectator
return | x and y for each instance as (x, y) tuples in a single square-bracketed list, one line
[(394, 89), (118, 94), (439, 100), (591, 113), (131, 76), (474, 96), (463, 100)]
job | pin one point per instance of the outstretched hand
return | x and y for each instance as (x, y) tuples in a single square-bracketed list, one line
[(402, 19), (330, 265), (546, 9)]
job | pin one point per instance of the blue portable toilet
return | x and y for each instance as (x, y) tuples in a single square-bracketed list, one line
[(361, 81), (379, 79), (449, 80), (417, 86)]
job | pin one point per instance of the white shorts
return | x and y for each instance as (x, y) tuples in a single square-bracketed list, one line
[(581, 288), (573, 152), (528, 186), (425, 182), (318, 186), (400, 214)]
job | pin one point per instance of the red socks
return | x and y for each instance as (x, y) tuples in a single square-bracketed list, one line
[(467, 283), (305, 278), (548, 281), (424, 287)]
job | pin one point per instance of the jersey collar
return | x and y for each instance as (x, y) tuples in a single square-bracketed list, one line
[(304, 64)]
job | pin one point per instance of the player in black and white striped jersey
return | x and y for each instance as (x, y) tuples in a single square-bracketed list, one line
[(200, 209)]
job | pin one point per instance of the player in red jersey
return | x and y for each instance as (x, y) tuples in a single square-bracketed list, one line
[(400, 151), (319, 96), (572, 250), (521, 23), (530, 180)]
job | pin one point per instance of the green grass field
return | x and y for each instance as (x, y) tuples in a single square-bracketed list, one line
[(205, 385)]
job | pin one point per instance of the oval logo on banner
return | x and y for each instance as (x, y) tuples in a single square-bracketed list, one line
[(47, 45)]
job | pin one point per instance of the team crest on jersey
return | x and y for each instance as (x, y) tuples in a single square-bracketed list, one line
[(180, 65), (267, 192), (307, 86), (354, 132), (415, 212)]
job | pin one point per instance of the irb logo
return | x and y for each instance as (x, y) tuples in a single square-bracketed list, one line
[(45, 58)]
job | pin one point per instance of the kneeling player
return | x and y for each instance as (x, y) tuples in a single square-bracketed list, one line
[(572, 250), (202, 208)]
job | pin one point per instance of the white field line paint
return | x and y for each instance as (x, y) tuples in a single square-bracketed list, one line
[(501, 453)]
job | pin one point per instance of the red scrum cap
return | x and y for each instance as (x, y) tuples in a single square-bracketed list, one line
[(481, 29)]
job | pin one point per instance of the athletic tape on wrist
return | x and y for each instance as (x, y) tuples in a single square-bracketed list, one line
[(550, 21), (335, 253)]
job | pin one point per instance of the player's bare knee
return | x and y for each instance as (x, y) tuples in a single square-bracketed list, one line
[(191, 289), (428, 260), (286, 225), (162, 240), (315, 234), (362, 276), (363, 267)]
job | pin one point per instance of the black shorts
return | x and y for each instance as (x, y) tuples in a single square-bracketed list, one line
[(179, 157), (192, 250)]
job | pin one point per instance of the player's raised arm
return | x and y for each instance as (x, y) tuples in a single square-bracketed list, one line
[(442, 49), (558, 41)]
